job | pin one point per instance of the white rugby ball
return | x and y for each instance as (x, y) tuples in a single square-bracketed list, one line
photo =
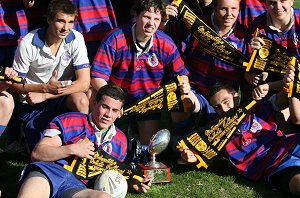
[(112, 182)]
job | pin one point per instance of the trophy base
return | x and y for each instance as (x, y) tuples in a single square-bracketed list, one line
[(160, 174)]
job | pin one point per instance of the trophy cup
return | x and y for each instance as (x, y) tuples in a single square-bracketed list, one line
[(160, 172)]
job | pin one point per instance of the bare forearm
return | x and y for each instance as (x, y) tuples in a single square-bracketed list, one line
[(294, 106), (97, 83), (23, 89), (44, 152), (74, 88)]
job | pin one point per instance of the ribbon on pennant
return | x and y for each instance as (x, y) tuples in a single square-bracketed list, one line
[(86, 169), (168, 96), (213, 44), (209, 141)]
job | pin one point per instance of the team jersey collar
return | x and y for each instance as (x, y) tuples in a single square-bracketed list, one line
[(291, 23), (104, 135), (39, 37), (139, 50), (216, 27)]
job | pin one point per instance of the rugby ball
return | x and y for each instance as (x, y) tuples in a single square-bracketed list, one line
[(113, 183)]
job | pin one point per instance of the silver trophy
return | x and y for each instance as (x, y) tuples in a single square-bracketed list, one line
[(158, 142)]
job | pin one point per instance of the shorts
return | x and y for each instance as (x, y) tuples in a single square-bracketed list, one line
[(289, 167), (62, 182), (38, 116)]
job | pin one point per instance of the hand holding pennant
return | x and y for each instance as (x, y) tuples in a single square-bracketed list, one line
[(168, 95), (271, 57), (86, 169), (294, 87), (209, 141), (213, 44), (4, 78)]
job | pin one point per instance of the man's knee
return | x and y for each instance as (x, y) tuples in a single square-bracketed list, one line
[(294, 185)]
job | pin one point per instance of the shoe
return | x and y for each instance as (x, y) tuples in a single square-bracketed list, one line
[(15, 147)]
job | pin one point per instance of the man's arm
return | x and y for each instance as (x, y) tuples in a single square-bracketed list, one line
[(97, 83), (51, 149), (81, 84)]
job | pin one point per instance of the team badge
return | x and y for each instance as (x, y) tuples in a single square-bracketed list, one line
[(295, 39), (107, 148), (65, 59), (256, 126), (152, 60)]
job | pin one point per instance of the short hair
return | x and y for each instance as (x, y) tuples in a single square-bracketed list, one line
[(111, 90), (145, 5), (219, 86), (214, 3), (65, 6)]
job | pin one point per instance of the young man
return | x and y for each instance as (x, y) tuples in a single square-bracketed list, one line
[(280, 23), (139, 58), (65, 138), (6, 100), (258, 149), (55, 65), (206, 70)]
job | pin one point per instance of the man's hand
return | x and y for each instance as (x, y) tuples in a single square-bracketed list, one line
[(34, 98), (289, 76), (187, 155), (54, 86), (260, 91), (83, 148), (256, 41), (141, 187), (255, 79), (184, 85)]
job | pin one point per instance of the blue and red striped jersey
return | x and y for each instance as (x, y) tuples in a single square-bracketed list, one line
[(13, 22), (75, 126), (95, 18), (117, 61), (288, 39), (259, 147), (250, 9), (206, 70)]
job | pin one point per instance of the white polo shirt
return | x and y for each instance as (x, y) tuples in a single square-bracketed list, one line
[(34, 60)]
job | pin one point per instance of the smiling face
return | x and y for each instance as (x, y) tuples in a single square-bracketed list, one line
[(223, 101), (147, 22), (60, 26), (279, 10), (226, 13), (106, 111)]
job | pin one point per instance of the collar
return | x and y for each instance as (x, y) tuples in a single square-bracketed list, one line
[(290, 25), (216, 27), (39, 37), (139, 50), (108, 133)]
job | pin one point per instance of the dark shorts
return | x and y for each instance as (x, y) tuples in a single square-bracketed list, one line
[(37, 117), (62, 182), (281, 180)]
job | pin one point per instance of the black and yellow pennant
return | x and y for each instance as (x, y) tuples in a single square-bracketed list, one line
[(212, 43), (209, 141), (86, 169), (167, 96)]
